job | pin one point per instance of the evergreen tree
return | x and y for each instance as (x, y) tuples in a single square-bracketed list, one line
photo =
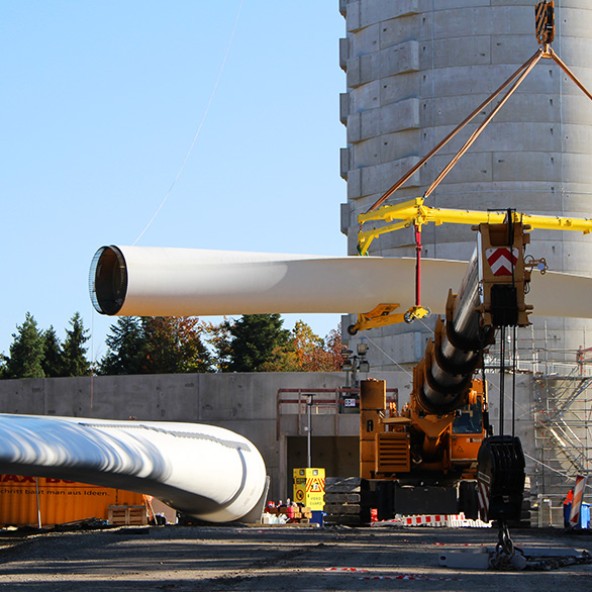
[(26, 351), (156, 345), (125, 345), (254, 341), (52, 354), (3, 366), (74, 358)]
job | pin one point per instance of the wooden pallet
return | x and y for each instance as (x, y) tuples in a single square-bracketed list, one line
[(127, 515)]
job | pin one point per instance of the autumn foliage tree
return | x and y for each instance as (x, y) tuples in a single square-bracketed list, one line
[(307, 352), (259, 343), (174, 345)]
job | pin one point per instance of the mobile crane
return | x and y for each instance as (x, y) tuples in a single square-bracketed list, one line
[(434, 442), (443, 435)]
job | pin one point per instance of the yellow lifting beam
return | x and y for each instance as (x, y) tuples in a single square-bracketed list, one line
[(415, 213), (384, 314)]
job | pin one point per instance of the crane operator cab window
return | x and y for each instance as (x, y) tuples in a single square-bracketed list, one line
[(469, 419)]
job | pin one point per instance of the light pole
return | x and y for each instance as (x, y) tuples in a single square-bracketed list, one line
[(309, 400), (355, 363)]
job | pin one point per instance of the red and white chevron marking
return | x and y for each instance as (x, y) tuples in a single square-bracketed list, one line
[(502, 260)]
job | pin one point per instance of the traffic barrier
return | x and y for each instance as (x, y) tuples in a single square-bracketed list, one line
[(434, 521), (459, 521)]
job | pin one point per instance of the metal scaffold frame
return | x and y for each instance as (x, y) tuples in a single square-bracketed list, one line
[(562, 430)]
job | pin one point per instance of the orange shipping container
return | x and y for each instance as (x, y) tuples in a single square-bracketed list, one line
[(60, 501)]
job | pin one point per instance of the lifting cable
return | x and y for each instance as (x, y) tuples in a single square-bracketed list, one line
[(529, 64), (514, 366), (502, 381), (418, 247)]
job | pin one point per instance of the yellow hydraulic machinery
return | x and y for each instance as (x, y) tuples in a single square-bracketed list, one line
[(397, 444)]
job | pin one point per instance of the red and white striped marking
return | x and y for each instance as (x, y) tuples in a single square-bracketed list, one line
[(576, 504), (347, 569), (502, 260), (425, 520)]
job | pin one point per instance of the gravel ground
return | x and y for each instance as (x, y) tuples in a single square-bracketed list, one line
[(184, 559)]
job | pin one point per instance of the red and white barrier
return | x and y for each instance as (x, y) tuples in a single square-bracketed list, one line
[(434, 521)]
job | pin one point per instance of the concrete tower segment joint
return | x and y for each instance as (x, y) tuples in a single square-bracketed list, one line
[(361, 14), (388, 62), (371, 180), (375, 122)]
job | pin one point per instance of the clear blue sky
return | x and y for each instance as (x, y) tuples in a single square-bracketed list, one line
[(101, 101)]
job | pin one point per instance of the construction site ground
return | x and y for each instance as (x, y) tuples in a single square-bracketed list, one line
[(274, 558)]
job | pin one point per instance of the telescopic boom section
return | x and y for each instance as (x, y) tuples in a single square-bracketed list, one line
[(443, 377), (491, 295)]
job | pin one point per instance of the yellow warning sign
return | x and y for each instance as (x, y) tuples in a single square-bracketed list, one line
[(309, 487), (315, 484)]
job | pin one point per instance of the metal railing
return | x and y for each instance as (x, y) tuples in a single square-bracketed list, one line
[(324, 401)]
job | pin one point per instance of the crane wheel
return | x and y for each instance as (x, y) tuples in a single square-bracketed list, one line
[(352, 330)]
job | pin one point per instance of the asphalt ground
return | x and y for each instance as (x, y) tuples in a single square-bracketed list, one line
[(192, 558)]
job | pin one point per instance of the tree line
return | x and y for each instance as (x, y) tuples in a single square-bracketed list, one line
[(171, 345)]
